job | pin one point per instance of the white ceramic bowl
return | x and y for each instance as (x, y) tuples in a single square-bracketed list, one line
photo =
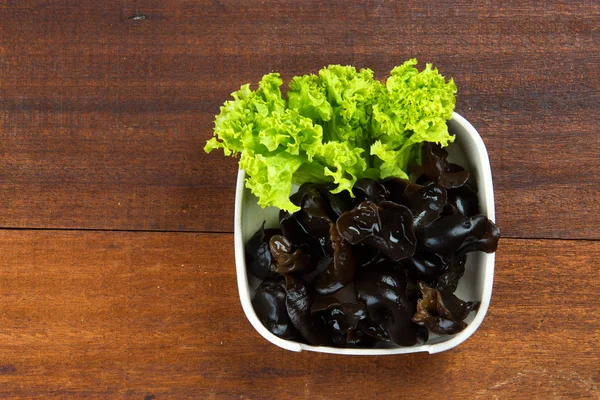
[(476, 284)]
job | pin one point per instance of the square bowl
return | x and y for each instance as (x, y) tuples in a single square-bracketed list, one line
[(467, 150)]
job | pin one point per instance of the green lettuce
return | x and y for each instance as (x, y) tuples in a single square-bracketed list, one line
[(412, 108), (338, 126)]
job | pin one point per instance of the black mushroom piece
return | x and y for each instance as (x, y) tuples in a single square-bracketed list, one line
[(457, 233), (386, 227), (425, 202), (270, 305), (341, 322), (487, 242), (308, 227), (288, 260), (258, 255), (448, 281), (464, 199), (339, 316), (390, 310), (441, 312), (439, 170), (298, 302), (369, 190), (366, 257), (426, 266), (339, 203), (341, 268)]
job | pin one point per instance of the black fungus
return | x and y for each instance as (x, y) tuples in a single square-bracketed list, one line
[(448, 281), (343, 320), (341, 269), (369, 190), (258, 256), (339, 203), (425, 202), (464, 199), (390, 310), (378, 266), (439, 170), (441, 313), (298, 304), (269, 304), (386, 227), (457, 232), (426, 266), (288, 260)]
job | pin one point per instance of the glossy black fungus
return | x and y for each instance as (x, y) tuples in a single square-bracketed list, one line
[(288, 260), (345, 295), (258, 256), (438, 169), (396, 188), (313, 215), (360, 223), (369, 190), (291, 229), (380, 266), (339, 203), (433, 159), (366, 256), (426, 266), (308, 227), (448, 281), (441, 313), (464, 199), (342, 267), (426, 202), (341, 323), (448, 210), (453, 176), (387, 228), (319, 201), (306, 190), (298, 304), (456, 307), (423, 179), (322, 265), (390, 310), (397, 239), (297, 228), (339, 316), (269, 304), (487, 242), (454, 232)]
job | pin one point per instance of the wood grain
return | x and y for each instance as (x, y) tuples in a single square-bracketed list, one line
[(105, 106), (135, 315), (117, 274)]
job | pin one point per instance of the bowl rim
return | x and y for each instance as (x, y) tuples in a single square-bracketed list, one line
[(486, 193)]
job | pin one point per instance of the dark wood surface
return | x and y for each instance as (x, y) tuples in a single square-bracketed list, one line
[(112, 314), (116, 254)]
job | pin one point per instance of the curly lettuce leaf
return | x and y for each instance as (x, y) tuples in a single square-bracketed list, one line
[(393, 162), (412, 108), (351, 94), (238, 125), (308, 96), (273, 140), (270, 178), (343, 163), (338, 126)]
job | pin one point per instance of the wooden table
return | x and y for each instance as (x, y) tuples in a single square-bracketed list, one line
[(117, 274)]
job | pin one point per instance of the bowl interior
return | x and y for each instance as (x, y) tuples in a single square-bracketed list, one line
[(467, 150)]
